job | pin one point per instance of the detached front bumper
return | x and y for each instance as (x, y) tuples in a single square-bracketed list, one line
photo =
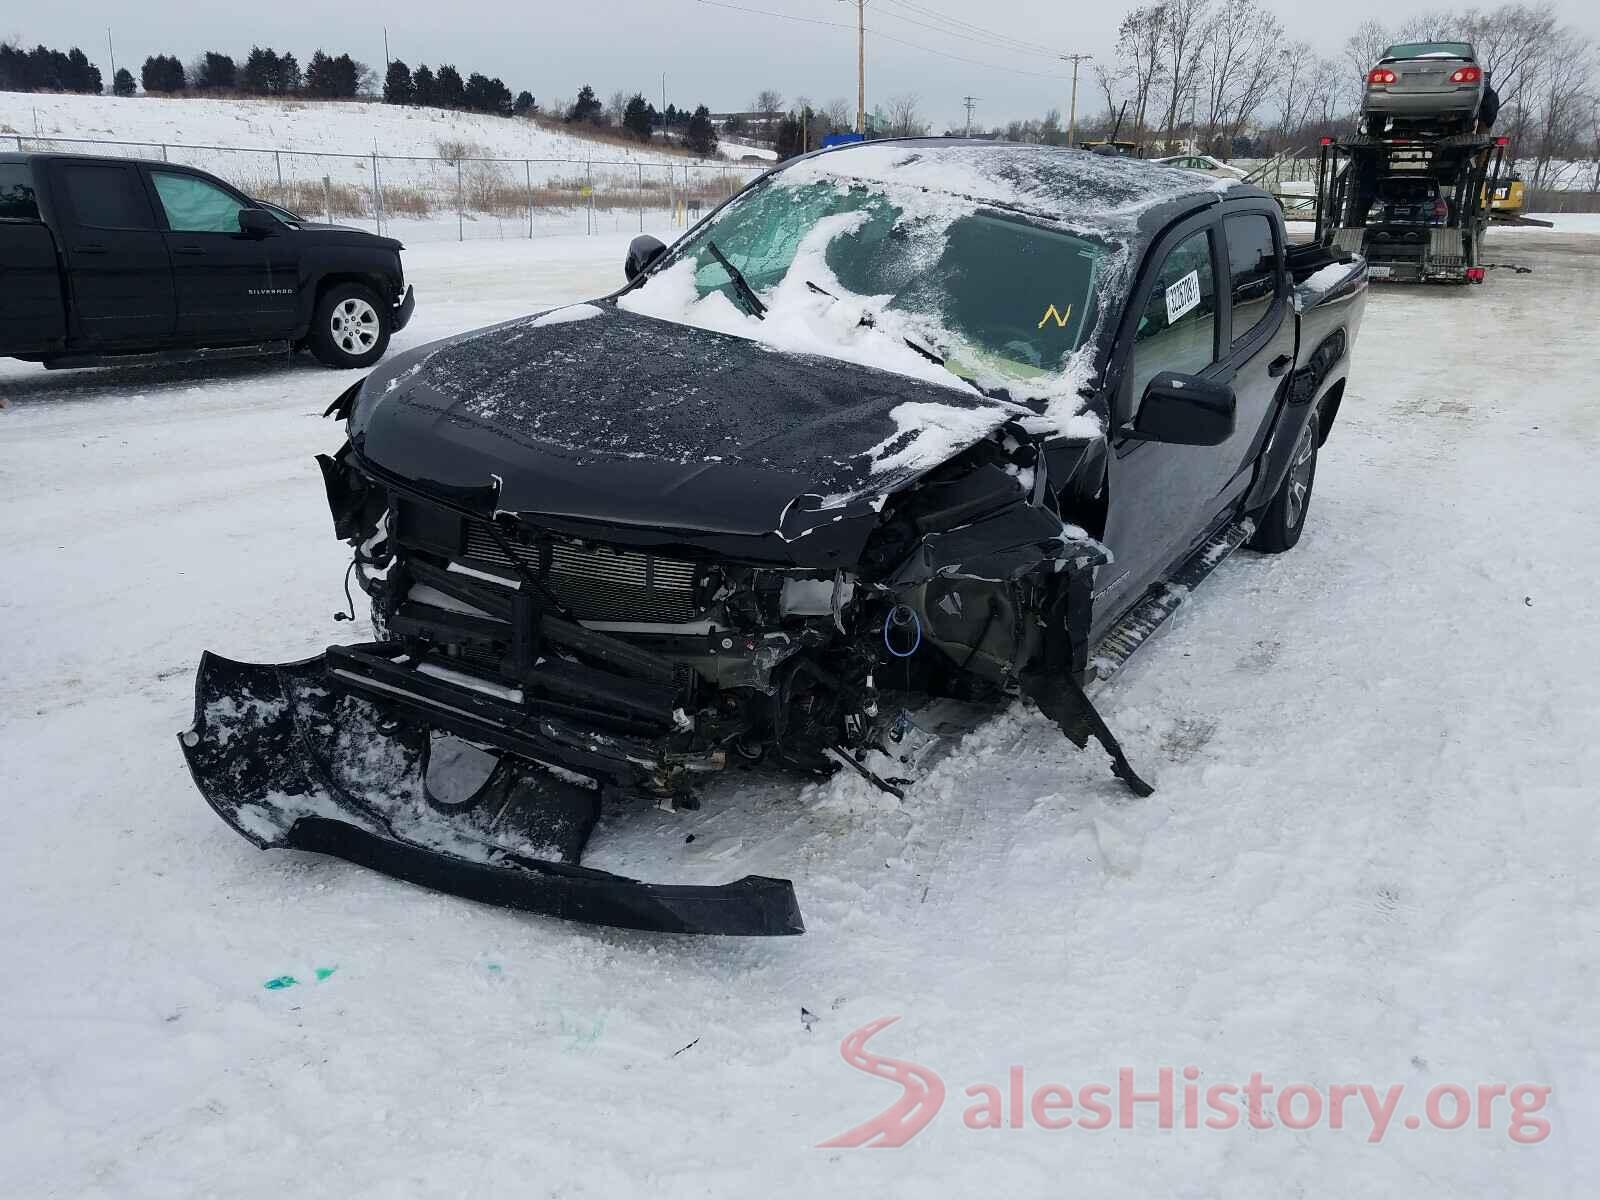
[(403, 310), (290, 761)]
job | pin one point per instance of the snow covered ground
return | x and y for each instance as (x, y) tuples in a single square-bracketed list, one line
[(1370, 858)]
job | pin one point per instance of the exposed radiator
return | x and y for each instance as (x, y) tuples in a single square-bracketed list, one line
[(598, 583)]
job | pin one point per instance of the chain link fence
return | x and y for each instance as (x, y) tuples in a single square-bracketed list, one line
[(454, 195)]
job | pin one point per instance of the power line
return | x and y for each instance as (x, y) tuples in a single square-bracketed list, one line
[(953, 27), (888, 37)]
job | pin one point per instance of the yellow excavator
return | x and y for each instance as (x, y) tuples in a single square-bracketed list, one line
[(1507, 198)]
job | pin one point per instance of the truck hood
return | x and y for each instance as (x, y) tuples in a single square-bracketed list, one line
[(599, 415)]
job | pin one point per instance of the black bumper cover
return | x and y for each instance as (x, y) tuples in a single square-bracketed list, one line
[(289, 762)]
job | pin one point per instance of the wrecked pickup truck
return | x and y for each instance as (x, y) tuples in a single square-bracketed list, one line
[(900, 421)]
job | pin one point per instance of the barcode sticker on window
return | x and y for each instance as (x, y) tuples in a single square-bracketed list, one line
[(1182, 296)]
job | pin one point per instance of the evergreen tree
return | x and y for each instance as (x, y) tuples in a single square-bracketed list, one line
[(448, 90), (587, 108), (398, 86), (217, 73), (702, 134), (123, 84), (524, 106), (162, 73), (329, 78), (486, 95), (636, 118), (424, 90)]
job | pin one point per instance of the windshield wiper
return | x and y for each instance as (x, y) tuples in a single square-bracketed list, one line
[(868, 322), (747, 294)]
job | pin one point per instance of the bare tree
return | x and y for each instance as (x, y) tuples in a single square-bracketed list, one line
[(905, 116), (1242, 58), (1109, 82), (838, 116), (616, 107), (1560, 94), (1187, 30), (767, 100), (1140, 38), (1366, 45)]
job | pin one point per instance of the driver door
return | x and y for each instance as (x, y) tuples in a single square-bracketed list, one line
[(231, 286)]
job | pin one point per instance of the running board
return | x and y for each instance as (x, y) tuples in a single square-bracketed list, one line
[(1142, 621)]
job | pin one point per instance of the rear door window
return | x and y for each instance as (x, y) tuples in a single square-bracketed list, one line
[(107, 196), (17, 199), (1255, 270), (194, 206), (1177, 330)]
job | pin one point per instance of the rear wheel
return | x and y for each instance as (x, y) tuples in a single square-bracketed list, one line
[(1376, 124), (1279, 525), (351, 327)]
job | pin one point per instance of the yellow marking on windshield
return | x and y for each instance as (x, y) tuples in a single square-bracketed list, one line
[(1060, 318)]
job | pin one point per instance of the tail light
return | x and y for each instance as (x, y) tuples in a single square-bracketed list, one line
[(1475, 274), (1382, 75), (1467, 75)]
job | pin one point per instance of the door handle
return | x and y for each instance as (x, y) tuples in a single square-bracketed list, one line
[(90, 248), (1279, 365), (191, 248)]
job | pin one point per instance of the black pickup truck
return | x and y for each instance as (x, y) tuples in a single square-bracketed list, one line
[(902, 426), (104, 258)]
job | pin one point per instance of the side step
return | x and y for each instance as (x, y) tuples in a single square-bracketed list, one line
[(1162, 600), (163, 358)]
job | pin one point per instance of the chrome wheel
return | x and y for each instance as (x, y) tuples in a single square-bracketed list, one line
[(1305, 452), (354, 326)]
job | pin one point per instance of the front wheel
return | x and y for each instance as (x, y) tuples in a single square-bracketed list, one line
[(1280, 523), (351, 327)]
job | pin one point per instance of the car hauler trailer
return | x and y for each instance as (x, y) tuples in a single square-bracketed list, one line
[(1416, 207)]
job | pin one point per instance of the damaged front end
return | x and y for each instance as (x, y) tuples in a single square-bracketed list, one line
[(533, 669)]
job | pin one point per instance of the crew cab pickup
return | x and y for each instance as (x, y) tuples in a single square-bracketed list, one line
[(103, 258), (902, 422)]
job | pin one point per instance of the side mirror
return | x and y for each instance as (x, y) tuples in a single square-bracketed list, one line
[(642, 251), (1185, 410), (257, 222)]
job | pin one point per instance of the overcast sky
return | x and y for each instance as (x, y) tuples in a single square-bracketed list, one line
[(712, 55)]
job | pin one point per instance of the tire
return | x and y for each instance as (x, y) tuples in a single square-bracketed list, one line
[(1279, 526), (1376, 123), (351, 327)]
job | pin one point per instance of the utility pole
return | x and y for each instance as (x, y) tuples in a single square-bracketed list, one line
[(969, 102), (861, 67), (385, 56), (1072, 109), (111, 51)]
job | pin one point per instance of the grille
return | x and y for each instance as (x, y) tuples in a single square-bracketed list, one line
[(598, 583)]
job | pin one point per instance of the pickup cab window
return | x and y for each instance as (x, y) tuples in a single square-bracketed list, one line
[(107, 196), (17, 200), (1254, 262), (194, 206), (1178, 329)]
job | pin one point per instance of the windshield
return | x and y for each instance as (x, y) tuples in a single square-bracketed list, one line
[(1428, 50), (1001, 299)]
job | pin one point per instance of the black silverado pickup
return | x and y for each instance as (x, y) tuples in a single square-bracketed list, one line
[(902, 427), (105, 258)]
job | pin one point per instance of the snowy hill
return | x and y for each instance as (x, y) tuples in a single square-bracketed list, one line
[(328, 127), (421, 173)]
